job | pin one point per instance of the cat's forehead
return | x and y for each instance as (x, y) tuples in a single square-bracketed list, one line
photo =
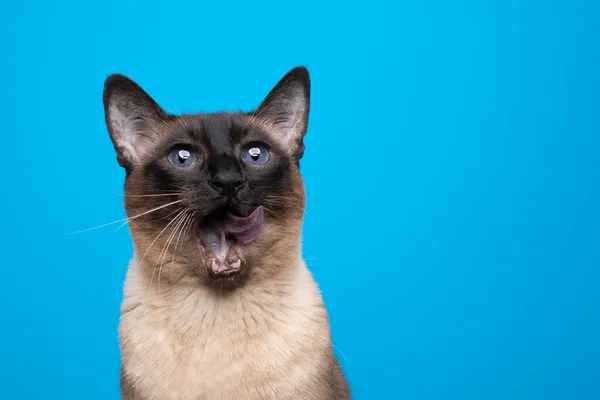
[(219, 132)]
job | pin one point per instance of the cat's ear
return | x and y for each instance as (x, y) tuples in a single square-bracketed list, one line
[(130, 115), (285, 110)]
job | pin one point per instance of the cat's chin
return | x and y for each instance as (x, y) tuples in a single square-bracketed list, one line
[(222, 236)]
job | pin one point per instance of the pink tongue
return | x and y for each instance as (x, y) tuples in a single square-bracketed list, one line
[(245, 230)]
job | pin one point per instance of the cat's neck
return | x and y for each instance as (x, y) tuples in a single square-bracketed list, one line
[(258, 303)]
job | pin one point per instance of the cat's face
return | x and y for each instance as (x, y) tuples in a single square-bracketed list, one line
[(215, 199)]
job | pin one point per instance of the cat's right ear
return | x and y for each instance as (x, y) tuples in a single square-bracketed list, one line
[(130, 115)]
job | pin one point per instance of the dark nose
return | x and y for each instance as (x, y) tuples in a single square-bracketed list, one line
[(228, 184), (226, 177)]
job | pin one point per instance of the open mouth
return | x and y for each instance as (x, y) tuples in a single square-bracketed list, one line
[(222, 233)]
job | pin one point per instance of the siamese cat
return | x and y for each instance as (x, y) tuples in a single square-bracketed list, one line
[(218, 303)]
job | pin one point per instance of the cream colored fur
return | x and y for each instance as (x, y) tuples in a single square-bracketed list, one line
[(267, 341)]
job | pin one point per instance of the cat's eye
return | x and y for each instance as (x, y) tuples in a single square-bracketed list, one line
[(256, 154), (182, 157)]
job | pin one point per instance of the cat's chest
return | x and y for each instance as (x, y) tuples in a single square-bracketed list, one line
[(220, 358)]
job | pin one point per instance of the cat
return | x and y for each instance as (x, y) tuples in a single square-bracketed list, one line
[(218, 302)]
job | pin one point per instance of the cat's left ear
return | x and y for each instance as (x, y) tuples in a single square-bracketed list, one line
[(131, 116), (285, 110)]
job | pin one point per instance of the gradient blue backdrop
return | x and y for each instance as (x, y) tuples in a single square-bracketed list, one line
[(452, 170)]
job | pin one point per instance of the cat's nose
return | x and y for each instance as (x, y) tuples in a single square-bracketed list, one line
[(225, 175), (227, 183)]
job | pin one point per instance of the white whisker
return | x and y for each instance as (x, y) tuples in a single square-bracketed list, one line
[(184, 227), (341, 352), (145, 195), (124, 220), (190, 224), (165, 249), (272, 212), (147, 212), (154, 241)]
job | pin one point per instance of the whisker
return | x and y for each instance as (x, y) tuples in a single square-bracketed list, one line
[(184, 227), (282, 202), (168, 244), (147, 212), (190, 224), (154, 241), (145, 195), (168, 215), (340, 350), (127, 220), (179, 227), (272, 212), (96, 227)]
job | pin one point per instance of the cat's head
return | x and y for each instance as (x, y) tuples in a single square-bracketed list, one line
[(215, 199)]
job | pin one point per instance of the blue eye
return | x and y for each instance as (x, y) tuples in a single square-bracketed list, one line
[(256, 154), (182, 158)]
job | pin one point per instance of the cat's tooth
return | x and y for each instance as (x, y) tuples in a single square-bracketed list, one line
[(236, 264), (214, 266)]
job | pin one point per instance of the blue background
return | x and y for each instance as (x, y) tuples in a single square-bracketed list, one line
[(452, 172)]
